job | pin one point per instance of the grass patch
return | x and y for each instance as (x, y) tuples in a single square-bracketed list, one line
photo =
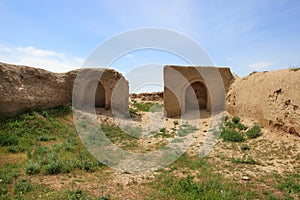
[(204, 185), (254, 132), (230, 135), (148, 107), (248, 161), (15, 149), (290, 185)]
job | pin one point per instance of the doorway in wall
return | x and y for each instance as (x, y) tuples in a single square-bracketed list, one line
[(196, 96)]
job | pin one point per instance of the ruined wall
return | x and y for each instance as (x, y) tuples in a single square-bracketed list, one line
[(271, 98), (177, 79), (23, 88)]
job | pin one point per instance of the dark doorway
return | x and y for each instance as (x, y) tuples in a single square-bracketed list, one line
[(196, 96), (100, 96)]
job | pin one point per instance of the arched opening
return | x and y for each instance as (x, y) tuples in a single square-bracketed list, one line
[(196, 96), (100, 96)]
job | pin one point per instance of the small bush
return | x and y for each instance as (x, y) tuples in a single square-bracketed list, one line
[(54, 167), (231, 135), (254, 132), (236, 120), (32, 168), (240, 126)]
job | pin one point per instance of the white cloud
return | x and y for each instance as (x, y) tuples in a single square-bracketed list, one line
[(260, 65), (45, 59)]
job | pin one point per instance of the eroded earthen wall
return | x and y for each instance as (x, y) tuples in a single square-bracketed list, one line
[(272, 99), (25, 88)]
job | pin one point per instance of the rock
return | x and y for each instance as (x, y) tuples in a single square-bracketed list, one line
[(245, 178)]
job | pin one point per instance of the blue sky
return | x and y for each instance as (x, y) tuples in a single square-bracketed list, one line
[(59, 35)]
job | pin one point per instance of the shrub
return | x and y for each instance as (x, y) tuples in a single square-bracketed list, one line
[(236, 120), (254, 132), (231, 135), (240, 126), (54, 167), (32, 168)]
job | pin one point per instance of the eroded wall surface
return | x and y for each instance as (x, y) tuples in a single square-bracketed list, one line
[(25, 88), (272, 99)]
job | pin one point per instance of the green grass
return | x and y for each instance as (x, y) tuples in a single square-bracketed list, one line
[(27, 134), (148, 107), (45, 144), (254, 132), (235, 131), (249, 161), (290, 184), (230, 135), (209, 185)]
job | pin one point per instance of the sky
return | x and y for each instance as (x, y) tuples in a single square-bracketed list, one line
[(59, 35)]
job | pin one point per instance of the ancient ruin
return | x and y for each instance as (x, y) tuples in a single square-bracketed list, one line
[(25, 88), (187, 88)]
